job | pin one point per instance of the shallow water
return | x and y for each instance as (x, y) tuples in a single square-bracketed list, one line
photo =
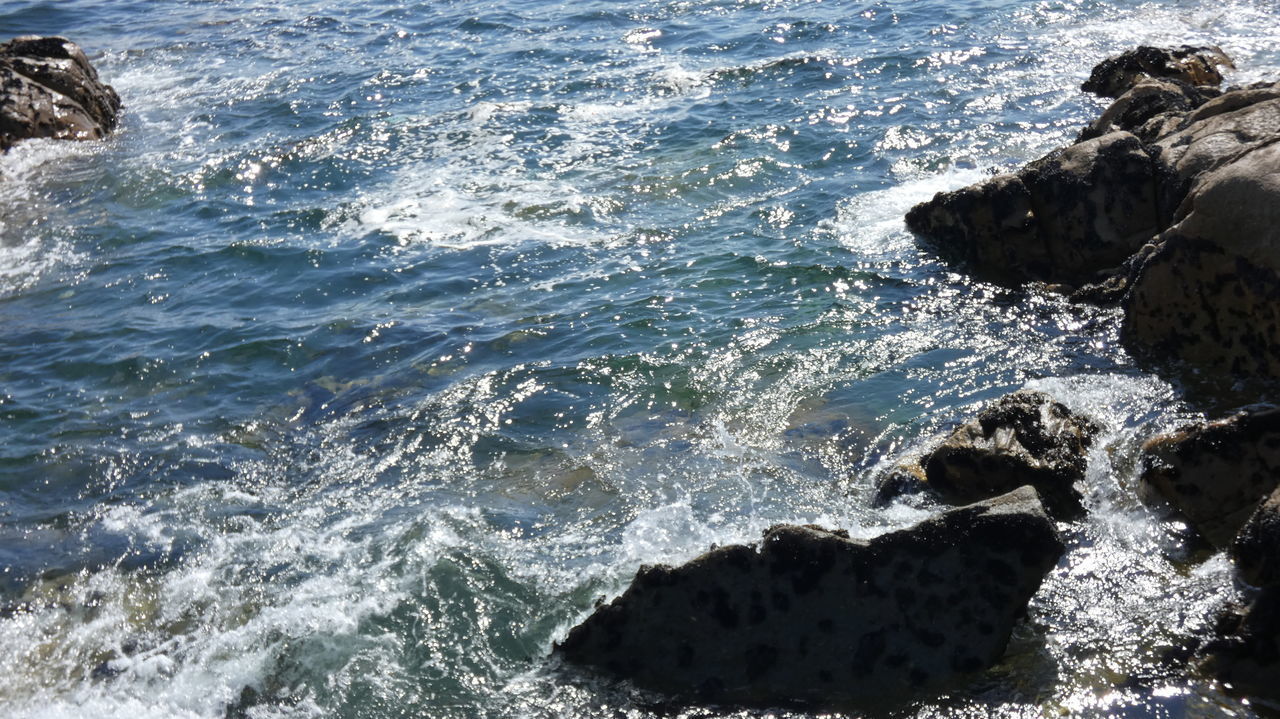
[(385, 337)]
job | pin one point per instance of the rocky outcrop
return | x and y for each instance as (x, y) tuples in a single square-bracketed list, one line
[(1216, 474), (1169, 206), (1192, 65), (1222, 131), (1061, 219), (1150, 109), (1244, 652), (1073, 218), (49, 89), (1209, 293), (1256, 549), (1025, 438), (810, 617)]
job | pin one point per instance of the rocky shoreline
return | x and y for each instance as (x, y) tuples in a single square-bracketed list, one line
[(1167, 206)]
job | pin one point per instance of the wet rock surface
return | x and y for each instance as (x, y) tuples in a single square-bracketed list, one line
[(49, 89), (1217, 473), (1062, 219), (1199, 290), (1256, 549), (1025, 438), (808, 617), (1193, 65), (1148, 108), (1245, 651), (1169, 207)]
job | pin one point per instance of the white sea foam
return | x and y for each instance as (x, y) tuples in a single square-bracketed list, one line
[(456, 208), (27, 249), (870, 223)]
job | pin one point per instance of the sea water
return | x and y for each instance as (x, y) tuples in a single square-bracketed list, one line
[(384, 338)]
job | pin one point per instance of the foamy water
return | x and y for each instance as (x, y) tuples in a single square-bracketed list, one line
[(383, 339)]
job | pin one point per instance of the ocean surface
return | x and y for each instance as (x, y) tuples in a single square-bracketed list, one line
[(385, 337)]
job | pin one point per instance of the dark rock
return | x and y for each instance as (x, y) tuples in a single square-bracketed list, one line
[(1025, 438), (1095, 203), (1111, 290), (1162, 101), (1216, 474), (1193, 65), (49, 89), (1256, 549), (1245, 651), (988, 226), (1061, 219), (904, 480), (809, 618), (1209, 293)]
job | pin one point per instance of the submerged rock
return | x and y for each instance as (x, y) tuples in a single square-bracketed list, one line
[(1025, 438), (49, 89), (1216, 474), (810, 617), (1193, 65)]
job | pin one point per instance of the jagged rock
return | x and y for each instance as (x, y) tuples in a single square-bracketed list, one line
[(1112, 289), (988, 226), (49, 89), (1025, 438), (1216, 474), (1150, 109), (1256, 549), (1062, 219), (1193, 65), (1209, 292), (1245, 651), (808, 617), (1095, 203), (1244, 648)]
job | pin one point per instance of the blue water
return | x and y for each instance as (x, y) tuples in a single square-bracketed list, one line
[(383, 338)]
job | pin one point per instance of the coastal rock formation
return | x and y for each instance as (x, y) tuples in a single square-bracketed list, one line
[(49, 89), (1148, 108), (989, 227), (1216, 474), (1025, 438), (1061, 219), (1169, 206), (1219, 132), (1209, 293), (1256, 549), (1245, 651), (809, 617), (1193, 65)]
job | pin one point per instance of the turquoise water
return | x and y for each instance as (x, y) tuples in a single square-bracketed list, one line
[(384, 338)]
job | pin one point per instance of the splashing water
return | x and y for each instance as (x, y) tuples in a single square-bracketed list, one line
[(382, 339)]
